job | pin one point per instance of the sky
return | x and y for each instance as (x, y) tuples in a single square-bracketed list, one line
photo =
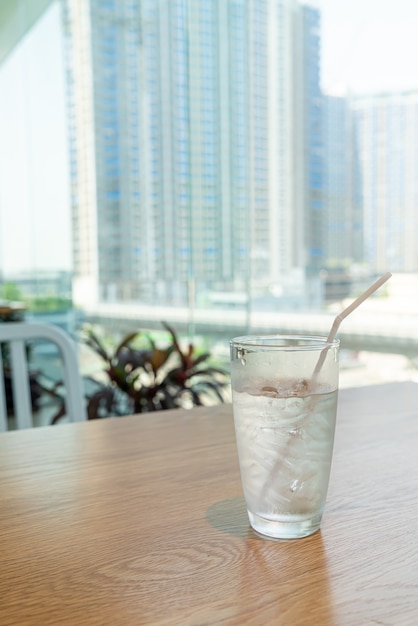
[(367, 45), (34, 186)]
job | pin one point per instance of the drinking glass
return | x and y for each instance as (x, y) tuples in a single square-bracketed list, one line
[(284, 395)]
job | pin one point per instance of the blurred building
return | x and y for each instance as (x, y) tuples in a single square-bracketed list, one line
[(195, 146), (343, 223), (386, 132), (314, 218)]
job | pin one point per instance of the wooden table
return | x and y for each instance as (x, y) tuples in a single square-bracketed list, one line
[(140, 521)]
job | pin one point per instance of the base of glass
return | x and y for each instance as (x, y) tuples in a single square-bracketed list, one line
[(292, 528)]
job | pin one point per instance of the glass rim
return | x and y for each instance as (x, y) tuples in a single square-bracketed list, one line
[(267, 342)]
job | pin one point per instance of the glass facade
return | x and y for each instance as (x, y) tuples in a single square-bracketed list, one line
[(190, 174), (386, 132)]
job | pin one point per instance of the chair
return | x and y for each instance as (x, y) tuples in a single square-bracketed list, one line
[(16, 335)]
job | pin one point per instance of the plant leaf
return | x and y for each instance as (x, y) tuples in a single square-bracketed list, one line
[(159, 358), (126, 341), (93, 342)]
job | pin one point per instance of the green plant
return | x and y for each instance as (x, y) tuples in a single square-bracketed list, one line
[(10, 291), (148, 379), (50, 304)]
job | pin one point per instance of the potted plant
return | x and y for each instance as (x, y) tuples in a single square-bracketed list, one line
[(151, 378)]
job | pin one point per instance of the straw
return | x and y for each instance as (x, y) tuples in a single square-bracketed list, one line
[(334, 328), (276, 466)]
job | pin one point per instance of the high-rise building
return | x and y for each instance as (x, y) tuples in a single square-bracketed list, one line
[(386, 132), (343, 223), (195, 156), (313, 184)]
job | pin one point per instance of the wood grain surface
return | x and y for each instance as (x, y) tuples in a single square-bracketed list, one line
[(141, 521)]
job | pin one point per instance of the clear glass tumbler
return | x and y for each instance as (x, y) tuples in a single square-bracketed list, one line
[(284, 395)]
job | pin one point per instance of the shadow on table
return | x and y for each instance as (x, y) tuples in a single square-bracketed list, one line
[(230, 516)]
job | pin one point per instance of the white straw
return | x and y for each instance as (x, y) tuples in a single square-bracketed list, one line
[(344, 314), (275, 468)]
